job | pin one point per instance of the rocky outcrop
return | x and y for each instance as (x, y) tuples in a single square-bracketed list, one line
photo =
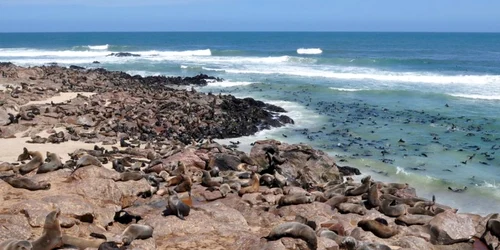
[(448, 227)]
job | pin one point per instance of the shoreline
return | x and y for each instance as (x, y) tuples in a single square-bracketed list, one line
[(123, 113)]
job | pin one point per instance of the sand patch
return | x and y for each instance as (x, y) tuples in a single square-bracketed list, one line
[(62, 97)]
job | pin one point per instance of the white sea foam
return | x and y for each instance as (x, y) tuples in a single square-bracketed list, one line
[(227, 84), (400, 170), (345, 90), (482, 97), (98, 47), (309, 51)]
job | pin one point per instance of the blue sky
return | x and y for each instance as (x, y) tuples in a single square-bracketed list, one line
[(249, 15)]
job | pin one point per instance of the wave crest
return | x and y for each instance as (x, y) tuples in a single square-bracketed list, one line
[(98, 47), (309, 51)]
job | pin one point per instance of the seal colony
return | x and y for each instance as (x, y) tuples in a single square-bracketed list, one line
[(159, 174)]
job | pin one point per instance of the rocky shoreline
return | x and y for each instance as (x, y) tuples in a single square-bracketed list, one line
[(151, 177)]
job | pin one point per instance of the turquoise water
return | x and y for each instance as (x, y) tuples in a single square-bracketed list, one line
[(409, 107)]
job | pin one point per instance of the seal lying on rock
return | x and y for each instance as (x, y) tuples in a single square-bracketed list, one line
[(24, 156), (294, 230), (378, 229), (16, 245), (36, 161), (295, 199), (26, 183), (136, 231), (53, 163), (86, 160)]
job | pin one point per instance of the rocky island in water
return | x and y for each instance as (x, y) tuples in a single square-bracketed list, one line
[(95, 159)]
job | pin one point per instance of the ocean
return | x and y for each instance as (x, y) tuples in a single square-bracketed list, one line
[(419, 108)]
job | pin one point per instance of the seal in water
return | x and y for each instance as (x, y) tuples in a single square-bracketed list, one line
[(458, 190)]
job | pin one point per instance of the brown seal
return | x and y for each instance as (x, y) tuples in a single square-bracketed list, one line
[(295, 199), (36, 161), (365, 186), (52, 235), (129, 176), (294, 230), (351, 208), (325, 233), (378, 229), (336, 200), (413, 219), (253, 187), (175, 206), (392, 211), (179, 170), (492, 226), (373, 198), (136, 231), (81, 243), (185, 185), (87, 160), (24, 156), (53, 163), (5, 166), (26, 183), (16, 245), (206, 180)]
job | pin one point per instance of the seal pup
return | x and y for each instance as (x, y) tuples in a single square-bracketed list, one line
[(26, 183), (185, 185), (86, 160), (136, 231), (53, 163), (253, 187), (294, 230), (377, 228), (52, 235), (16, 245), (175, 206), (224, 189), (36, 161), (24, 156)]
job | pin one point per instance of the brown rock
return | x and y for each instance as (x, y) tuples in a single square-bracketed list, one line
[(448, 227)]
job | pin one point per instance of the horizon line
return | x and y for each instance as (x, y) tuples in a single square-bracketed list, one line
[(249, 31)]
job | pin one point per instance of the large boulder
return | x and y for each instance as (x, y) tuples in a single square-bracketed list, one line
[(448, 227), (301, 161)]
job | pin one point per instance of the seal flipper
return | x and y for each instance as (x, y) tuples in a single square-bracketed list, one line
[(180, 215)]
